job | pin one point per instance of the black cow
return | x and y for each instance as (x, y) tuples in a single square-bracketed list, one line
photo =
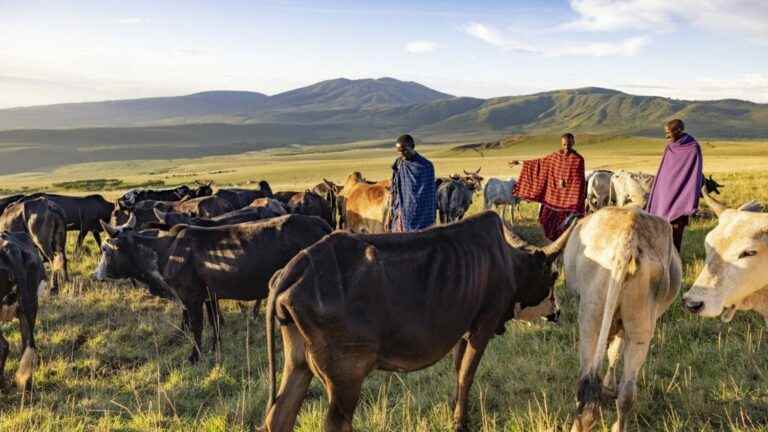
[(81, 213), (248, 214), (309, 203), (353, 303), (206, 207), (21, 278), (195, 264), (454, 198), (239, 197), (134, 196)]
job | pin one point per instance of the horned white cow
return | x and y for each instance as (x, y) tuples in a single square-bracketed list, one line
[(598, 190), (498, 195), (623, 265), (631, 188), (736, 263)]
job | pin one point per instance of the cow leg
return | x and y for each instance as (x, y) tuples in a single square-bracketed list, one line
[(295, 382), (473, 352), (214, 318), (343, 380), (635, 354), (195, 315), (589, 388), (97, 237), (79, 243), (615, 348), (458, 356), (28, 362), (4, 348)]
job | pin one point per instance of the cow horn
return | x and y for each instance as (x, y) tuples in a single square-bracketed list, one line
[(752, 206), (714, 204), (513, 239), (159, 214), (557, 246), (108, 228), (131, 222)]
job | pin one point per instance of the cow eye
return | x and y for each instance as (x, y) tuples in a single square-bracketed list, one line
[(747, 253)]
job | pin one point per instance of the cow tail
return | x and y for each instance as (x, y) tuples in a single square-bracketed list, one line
[(625, 264), (270, 330)]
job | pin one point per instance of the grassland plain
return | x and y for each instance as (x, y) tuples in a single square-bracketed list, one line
[(113, 358)]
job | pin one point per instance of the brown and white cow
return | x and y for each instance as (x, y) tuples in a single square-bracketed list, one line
[(736, 263), (624, 267), (364, 204), (354, 303)]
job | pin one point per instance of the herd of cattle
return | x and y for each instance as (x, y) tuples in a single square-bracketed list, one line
[(349, 299)]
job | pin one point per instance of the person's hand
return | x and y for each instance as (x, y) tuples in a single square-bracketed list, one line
[(513, 163)]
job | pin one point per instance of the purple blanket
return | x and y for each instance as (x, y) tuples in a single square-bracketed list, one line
[(675, 191)]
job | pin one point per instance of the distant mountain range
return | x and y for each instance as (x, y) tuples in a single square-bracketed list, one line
[(341, 110)]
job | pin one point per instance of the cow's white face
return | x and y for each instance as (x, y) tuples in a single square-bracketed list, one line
[(736, 264)]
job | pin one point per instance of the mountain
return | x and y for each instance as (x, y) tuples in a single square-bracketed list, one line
[(133, 112), (318, 101), (339, 111)]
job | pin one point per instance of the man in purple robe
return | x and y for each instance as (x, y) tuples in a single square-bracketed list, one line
[(676, 189)]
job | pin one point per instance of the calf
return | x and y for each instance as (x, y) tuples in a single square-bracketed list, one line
[(21, 278), (354, 303), (45, 223), (195, 264), (623, 265)]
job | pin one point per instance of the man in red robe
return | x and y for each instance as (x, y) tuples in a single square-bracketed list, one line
[(556, 181)]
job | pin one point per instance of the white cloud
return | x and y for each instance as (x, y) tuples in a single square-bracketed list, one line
[(420, 47), (753, 87), (130, 21), (741, 16), (626, 48), (494, 37)]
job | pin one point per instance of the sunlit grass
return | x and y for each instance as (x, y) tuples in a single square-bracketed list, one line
[(112, 358)]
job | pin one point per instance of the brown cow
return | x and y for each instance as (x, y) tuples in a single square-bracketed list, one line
[(354, 303), (45, 223), (21, 278), (364, 204), (194, 264), (309, 203)]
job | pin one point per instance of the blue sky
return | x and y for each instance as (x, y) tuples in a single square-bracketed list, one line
[(54, 52)]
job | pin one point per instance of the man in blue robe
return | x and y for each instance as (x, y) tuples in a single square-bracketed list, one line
[(414, 201)]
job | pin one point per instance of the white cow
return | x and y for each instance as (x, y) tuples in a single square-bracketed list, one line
[(598, 189), (630, 188), (498, 195), (624, 267), (736, 263)]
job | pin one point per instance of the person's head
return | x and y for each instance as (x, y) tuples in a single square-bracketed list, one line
[(567, 141), (674, 129), (405, 146)]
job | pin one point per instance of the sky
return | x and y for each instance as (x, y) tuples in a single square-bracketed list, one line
[(75, 51)]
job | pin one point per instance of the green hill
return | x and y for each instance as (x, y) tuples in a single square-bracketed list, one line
[(339, 111)]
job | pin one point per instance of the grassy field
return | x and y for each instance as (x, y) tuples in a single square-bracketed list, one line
[(112, 357)]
